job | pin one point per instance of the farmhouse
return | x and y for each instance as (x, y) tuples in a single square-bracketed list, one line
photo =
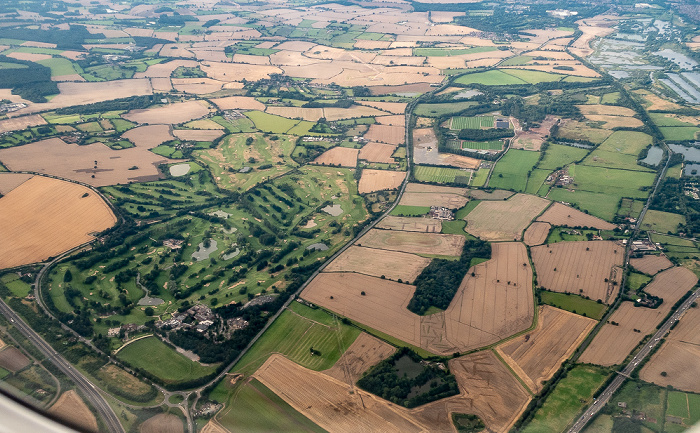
[(441, 213)]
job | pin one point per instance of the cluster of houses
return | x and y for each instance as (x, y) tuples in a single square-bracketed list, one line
[(560, 178), (198, 317), (14, 106), (441, 213)]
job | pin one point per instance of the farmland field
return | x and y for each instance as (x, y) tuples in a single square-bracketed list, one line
[(438, 110), (70, 407), (474, 122), (557, 156), (441, 174), (153, 356), (409, 224), (574, 303), (536, 234), (44, 217), (12, 359), (504, 220), (562, 215), (394, 265), (537, 355), (365, 352), (341, 156), (664, 222), (512, 170), (379, 180), (680, 133), (490, 78), (581, 268), (483, 145), (572, 393), (651, 264), (412, 242), (298, 329)]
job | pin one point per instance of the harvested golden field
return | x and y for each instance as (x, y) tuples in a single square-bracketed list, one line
[(411, 224), (197, 86), (536, 234), (651, 264), (383, 307), (654, 102), (432, 189), (451, 201), (612, 122), (162, 423), (78, 162), (678, 357), (385, 134), (613, 343), (148, 136), (311, 114), (71, 408), (31, 57), (10, 181), (12, 359), (378, 180), (44, 217), (494, 304), (365, 352), (487, 389), (19, 123), (238, 71), (504, 220), (402, 88), (561, 215), (175, 113), (589, 268), (412, 242), (394, 265), (537, 355), (342, 156), (378, 152), (198, 134), (591, 29), (238, 103), (365, 44), (609, 110), (391, 107), (161, 84), (328, 403), (395, 120), (214, 427), (336, 113)]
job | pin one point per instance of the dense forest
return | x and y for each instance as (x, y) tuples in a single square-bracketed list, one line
[(29, 80), (404, 380), (671, 198), (439, 281)]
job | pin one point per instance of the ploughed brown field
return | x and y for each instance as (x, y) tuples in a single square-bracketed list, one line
[(614, 342), (385, 134), (162, 423), (378, 152), (504, 220), (651, 264), (583, 268), (44, 217), (175, 113), (410, 224), (12, 359), (537, 233), (71, 408), (394, 265), (562, 215), (452, 198), (538, 354), (678, 357)]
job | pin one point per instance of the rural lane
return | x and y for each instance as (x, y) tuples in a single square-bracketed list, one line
[(89, 390), (622, 375)]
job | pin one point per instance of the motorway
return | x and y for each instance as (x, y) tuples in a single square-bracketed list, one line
[(622, 375), (90, 391)]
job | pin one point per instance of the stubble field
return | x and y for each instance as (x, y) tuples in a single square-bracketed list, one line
[(70, 407), (410, 224), (537, 355), (581, 268), (365, 352), (378, 180), (651, 264), (411, 242), (44, 217), (504, 220), (343, 156), (394, 265), (536, 234), (562, 215)]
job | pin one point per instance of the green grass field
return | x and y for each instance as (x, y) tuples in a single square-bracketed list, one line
[(18, 287), (533, 77), (490, 78), (155, 357), (443, 109), (441, 174), (483, 145), (574, 303), (536, 180), (557, 156), (680, 133), (637, 280), (620, 150), (271, 123), (512, 170), (663, 119), (255, 408), (473, 122), (684, 405), (664, 222), (294, 333), (640, 397), (59, 66), (410, 210), (479, 179), (571, 394), (598, 204), (563, 234), (630, 208)]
